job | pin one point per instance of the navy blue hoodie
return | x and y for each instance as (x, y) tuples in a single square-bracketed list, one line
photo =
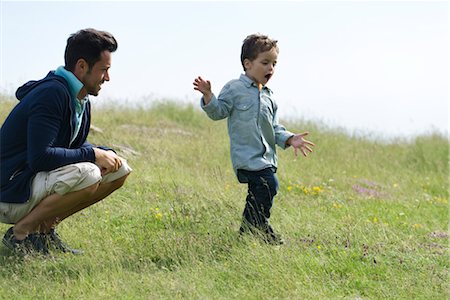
[(36, 136)]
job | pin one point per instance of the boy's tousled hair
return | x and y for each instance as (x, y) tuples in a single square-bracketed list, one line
[(254, 44), (88, 44)]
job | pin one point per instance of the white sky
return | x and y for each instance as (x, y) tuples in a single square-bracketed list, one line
[(380, 66)]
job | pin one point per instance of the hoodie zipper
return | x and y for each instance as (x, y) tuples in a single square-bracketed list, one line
[(17, 172)]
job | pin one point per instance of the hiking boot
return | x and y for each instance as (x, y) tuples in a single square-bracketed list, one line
[(54, 240), (32, 244)]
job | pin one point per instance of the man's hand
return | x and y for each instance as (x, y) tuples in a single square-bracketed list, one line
[(107, 161), (298, 142), (204, 87)]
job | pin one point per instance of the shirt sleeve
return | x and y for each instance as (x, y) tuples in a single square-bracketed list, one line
[(281, 134), (219, 108)]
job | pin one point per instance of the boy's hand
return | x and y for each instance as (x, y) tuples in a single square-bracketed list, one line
[(298, 142), (203, 86)]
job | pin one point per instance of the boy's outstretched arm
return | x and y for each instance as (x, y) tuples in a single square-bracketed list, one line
[(203, 86), (216, 108), (298, 142)]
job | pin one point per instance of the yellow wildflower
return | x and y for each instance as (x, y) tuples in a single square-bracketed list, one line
[(316, 189), (336, 205), (441, 200)]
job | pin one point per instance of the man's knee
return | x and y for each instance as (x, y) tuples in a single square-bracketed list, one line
[(90, 190), (118, 183), (76, 177), (119, 176)]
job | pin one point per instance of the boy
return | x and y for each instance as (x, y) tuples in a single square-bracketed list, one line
[(254, 130)]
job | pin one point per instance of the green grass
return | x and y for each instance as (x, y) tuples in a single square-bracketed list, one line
[(363, 219)]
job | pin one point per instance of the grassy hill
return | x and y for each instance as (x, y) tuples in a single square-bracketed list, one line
[(363, 219)]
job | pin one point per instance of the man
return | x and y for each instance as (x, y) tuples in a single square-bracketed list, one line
[(48, 170)]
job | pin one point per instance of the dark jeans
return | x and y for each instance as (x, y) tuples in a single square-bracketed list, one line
[(262, 188)]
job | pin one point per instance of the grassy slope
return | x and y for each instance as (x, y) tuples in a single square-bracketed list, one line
[(363, 220)]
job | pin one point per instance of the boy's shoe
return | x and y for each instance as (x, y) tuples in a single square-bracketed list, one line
[(32, 244), (266, 234), (54, 240), (247, 228), (273, 238)]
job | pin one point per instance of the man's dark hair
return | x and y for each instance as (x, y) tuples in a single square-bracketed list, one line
[(254, 44), (88, 44)]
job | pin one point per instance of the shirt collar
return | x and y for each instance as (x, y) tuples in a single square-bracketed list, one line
[(248, 82), (75, 85)]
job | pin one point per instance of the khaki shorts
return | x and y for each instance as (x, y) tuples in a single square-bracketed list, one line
[(70, 178)]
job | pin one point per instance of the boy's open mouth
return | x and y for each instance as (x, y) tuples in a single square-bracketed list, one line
[(268, 76)]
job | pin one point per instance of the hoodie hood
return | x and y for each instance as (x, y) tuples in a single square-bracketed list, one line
[(32, 84)]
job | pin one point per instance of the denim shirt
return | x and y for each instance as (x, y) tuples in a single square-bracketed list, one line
[(252, 124)]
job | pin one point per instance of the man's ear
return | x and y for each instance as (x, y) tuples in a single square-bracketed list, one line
[(81, 67)]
